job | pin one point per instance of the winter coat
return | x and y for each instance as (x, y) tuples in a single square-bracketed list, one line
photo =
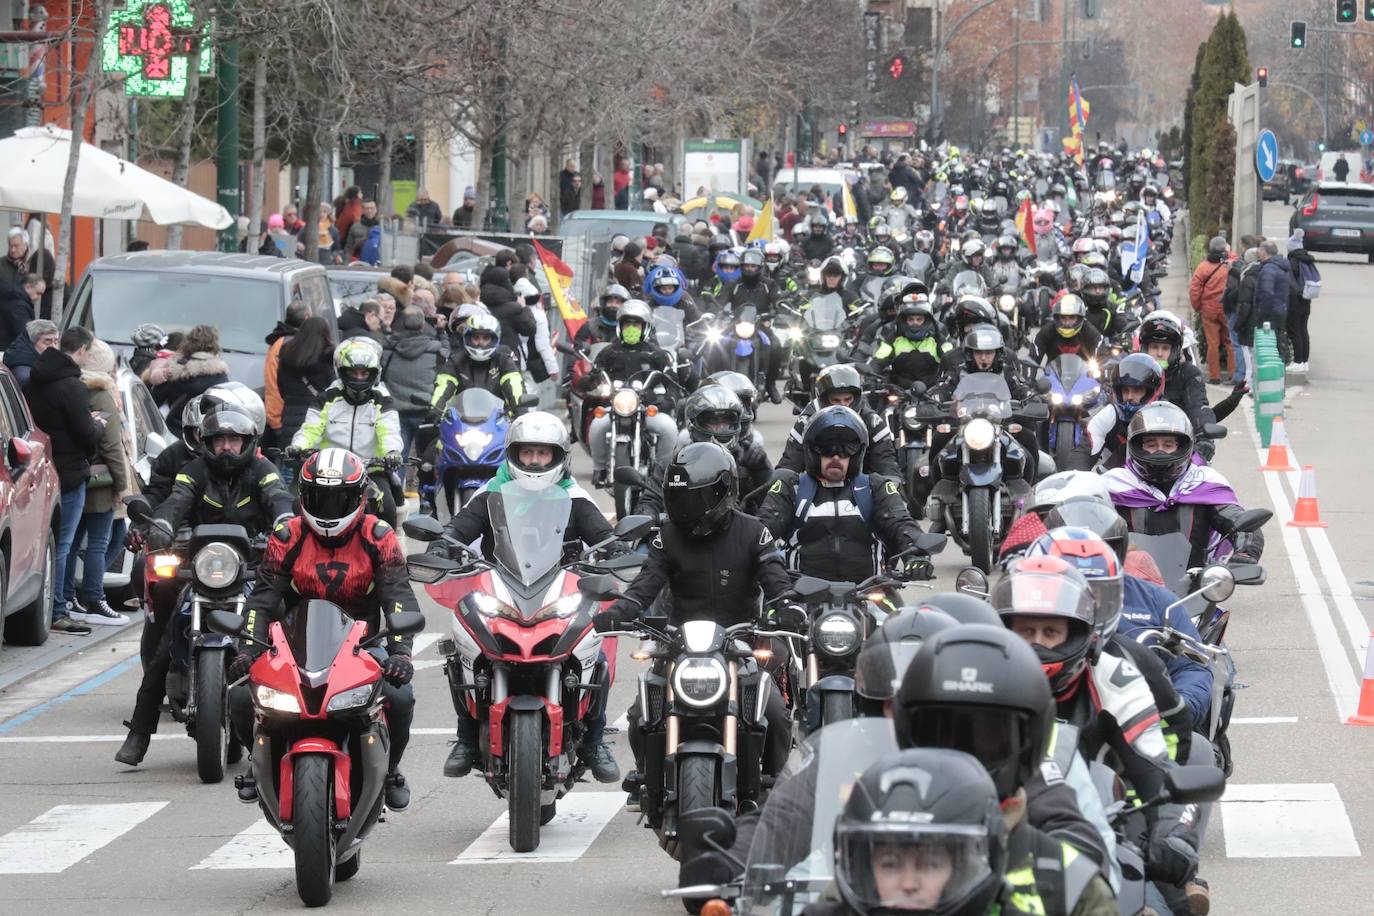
[(569, 197), (351, 213), (110, 451), (628, 275), (271, 397), (20, 357), (1295, 257), (357, 236), (298, 391), (1245, 304), (1271, 292), (1207, 286), (61, 407), (16, 310), (498, 295), (352, 324), (409, 366), (184, 378)]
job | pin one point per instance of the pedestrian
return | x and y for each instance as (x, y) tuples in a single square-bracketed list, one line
[(1205, 292), (296, 314), (498, 295), (21, 355), (598, 192), (621, 181), (304, 370), (627, 270), (425, 211), (1341, 169), (540, 360), (20, 261), (569, 189), (17, 303), (328, 235), (61, 406), (464, 216), (1305, 286), (411, 360), (356, 234), (1271, 288), (1228, 304), (349, 213), (197, 367), (362, 320), (1245, 314), (538, 224), (291, 220), (763, 167), (109, 477)]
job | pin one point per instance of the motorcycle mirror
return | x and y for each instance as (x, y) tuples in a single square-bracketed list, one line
[(918, 388), (601, 588), (1043, 385), (633, 527), (702, 826), (932, 542), (564, 347), (528, 400), (1251, 520), (225, 622), (404, 623), (140, 510), (972, 581), (1214, 431), (630, 476), (1189, 785), (422, 528), (1217, 583), (809, 588), (1248, 574)]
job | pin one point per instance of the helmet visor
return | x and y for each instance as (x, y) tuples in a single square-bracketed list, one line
[(1039, 594), (880, 669), (689, 506), (332, 503), (996, 736), (922, 868)]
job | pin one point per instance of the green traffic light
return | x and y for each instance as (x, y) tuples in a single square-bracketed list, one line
[(1297, 42)]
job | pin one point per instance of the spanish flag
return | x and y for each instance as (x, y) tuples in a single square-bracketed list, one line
[(763, 224), (560, 277), (1025, 215)]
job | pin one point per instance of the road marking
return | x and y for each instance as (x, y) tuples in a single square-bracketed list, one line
[(81, 689), (1264, 720), (423, 642), (260, 846), (63, 836), (580, 819), (1286, 820)]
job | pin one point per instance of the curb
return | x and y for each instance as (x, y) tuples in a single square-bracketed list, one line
[(40, 658)]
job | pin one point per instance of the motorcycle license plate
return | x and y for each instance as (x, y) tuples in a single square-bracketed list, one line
[(1346, 233)]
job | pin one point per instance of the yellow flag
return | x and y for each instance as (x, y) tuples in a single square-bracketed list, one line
[(763, 224), (850, 210)]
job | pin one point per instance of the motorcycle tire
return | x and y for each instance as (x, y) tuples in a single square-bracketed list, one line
[(836, 707), (348, 868), (982, 550), (313, 830), (1066, 456), (212, 716), (525, 779), (623, 493), (547, 813), (696, 784)]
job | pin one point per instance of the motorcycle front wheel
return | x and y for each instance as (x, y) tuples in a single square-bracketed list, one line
[(980, 539), (525, 779), (212, 719), (313, 834)]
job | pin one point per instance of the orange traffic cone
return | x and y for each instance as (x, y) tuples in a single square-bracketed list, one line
[(1364, 714), (1305, 514), (1278, 459)]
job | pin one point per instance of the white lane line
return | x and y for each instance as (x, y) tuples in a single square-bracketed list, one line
[(1282, 821), (423, 642), (1263, 720), (260, 846), (450, 731), (580, 820), (63, 836)]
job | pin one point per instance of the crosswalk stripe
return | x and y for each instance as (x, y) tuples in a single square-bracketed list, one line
[(260, 846), (63, 836), (580, 820), (1286, 820)]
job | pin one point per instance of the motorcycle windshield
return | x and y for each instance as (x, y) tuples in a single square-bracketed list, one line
[(871, 288), (475, 405), (826, 313), (1068, 368), (669, 327), (316, 630), (982, 394), (969, 282), (528, 526), (791, 859), (1170, 553)]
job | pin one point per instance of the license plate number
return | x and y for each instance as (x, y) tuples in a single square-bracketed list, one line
[(1346, 233)]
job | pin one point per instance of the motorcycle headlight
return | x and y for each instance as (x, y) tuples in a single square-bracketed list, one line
[(744, 329), (979, 434), (217, 566), (490, 607), (1056, 398), (1006, 303), (563, 607), (625, 402), (909, 414), (830, 341), (836, 634), (1076, 400), (276, 700), (473, 442), (699, 682), (350, 699), (713, 335)]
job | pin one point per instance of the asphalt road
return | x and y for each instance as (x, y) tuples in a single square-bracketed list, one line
[(81, 834)]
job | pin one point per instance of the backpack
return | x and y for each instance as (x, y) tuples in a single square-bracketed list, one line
[(806, 495), (1308, 280)]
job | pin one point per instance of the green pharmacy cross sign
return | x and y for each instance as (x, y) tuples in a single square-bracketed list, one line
[(152, 43)]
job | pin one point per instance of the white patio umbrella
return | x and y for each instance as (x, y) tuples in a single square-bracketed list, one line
[(33, 166)]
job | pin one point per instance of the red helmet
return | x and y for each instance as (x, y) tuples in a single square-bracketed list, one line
[(1092, 556), (334, 487)]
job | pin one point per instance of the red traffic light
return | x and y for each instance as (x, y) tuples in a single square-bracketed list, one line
[(844, 129), (1262, 76), (896, 67)]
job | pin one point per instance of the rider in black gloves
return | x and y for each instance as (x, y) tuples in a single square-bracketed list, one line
[(335, 551), (842, 386), (1161, 336)]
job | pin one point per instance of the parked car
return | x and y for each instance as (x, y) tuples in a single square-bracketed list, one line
[(29, 494), (243, 295), (1336, 216), (1277, 188)]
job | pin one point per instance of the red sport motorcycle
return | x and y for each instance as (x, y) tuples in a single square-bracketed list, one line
[(321, 743), (523, 659)]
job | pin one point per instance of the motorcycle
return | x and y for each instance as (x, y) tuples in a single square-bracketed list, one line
[(737, 345), (470, 446), (321, 744), (522, 659), (816, 342), (1075, 392)]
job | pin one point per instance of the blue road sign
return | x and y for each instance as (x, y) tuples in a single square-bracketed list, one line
[(1266, 155), (1366, 137)]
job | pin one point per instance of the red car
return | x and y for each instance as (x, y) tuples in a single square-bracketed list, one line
[(29, 494)]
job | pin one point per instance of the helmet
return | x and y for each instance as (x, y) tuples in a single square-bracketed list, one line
[(898, 197), (819, 224), (1094, 558), (233, 394), (728, 265), (774, 255), (148, 336), (1047, 586), (1136, 370), (1076, 272), (841, 378), (962, 607), (881, 232), (972, 248), (1096, 285), (714, 414), (540, 429), (921, 812), (1062, 486), (925, 240), (835, 430), (973, 310), (1162, 327), (960, 201), (719, 242), (665, 286), (1095, 258), (334, 487), (885, 655), (489, 326), (224, 419), (1096, 516), (983, 338), (738, 384), (1149, 191), (1082, 247), (1162, 469), (1006, 246), (607, 310), (700, 489), (751, 264), (968, 283), (881, 261), (913, 305), (893, 290), (978, 688), (834, 267), (1069, 313), (360, 353), (634, 310), (800, 230)]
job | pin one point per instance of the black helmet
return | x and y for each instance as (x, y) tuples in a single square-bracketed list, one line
[(963, 607), (714, 414), (1096, 286), (738, 384), (980, 689), (885, 654), (915, 813), (973, 310), (819, 224), (835, 431), (751, 264), (1162, 327), (981, 339), (1096, 516), (1047, 586), (913, 305), (700, 488), (1160, 468), (719, 242), (1136, 370), (841, 378), (225, 419)]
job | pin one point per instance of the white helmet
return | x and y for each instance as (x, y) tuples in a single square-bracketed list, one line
[(239, 395), (537, 428), (1065, 485)]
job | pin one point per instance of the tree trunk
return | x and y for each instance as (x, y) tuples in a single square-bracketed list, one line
[(384, 196), (484, 183), (182, 169), (314, 196), (259, 192)]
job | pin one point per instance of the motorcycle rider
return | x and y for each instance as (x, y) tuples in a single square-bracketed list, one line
[(899, 211), (338, 552), (881, 262), (1006, 265), (603, 328), (665, 289), (740, 385), (842, 385), (850, 235), (229, 484), (725, 270), (972, 256), (1137, 380), (833, 517), (538, 456), (833, 277), (910, 351), (184, 449), (753, 288), (818, 245), (1104, 304), (1067, 331), (1161, 337), (635, 351), (478, 359), (776, 263)]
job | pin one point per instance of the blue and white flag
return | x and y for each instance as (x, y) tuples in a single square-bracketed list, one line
[(1133, 254)]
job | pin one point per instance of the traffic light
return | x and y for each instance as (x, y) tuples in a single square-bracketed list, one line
[(854, 111), (844, 133), (1297, 38), (1369, 10), (1262, 76), (1346, 11), (897, 66)]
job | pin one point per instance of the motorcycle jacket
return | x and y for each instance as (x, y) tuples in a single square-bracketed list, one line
[(620, 361), (1198, 523), (879, 458), (369, 430), (163, 471), (1049, 344), (1185, 388), (365, 576), (716, 578), (1143, 606), (254, 498), (1107, 436), (586, 524), (593, 331), (830, 535), (739, 293), (817, 248), (907, 361), (499, 375)]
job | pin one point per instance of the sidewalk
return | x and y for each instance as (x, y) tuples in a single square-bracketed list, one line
[(19, 663)]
